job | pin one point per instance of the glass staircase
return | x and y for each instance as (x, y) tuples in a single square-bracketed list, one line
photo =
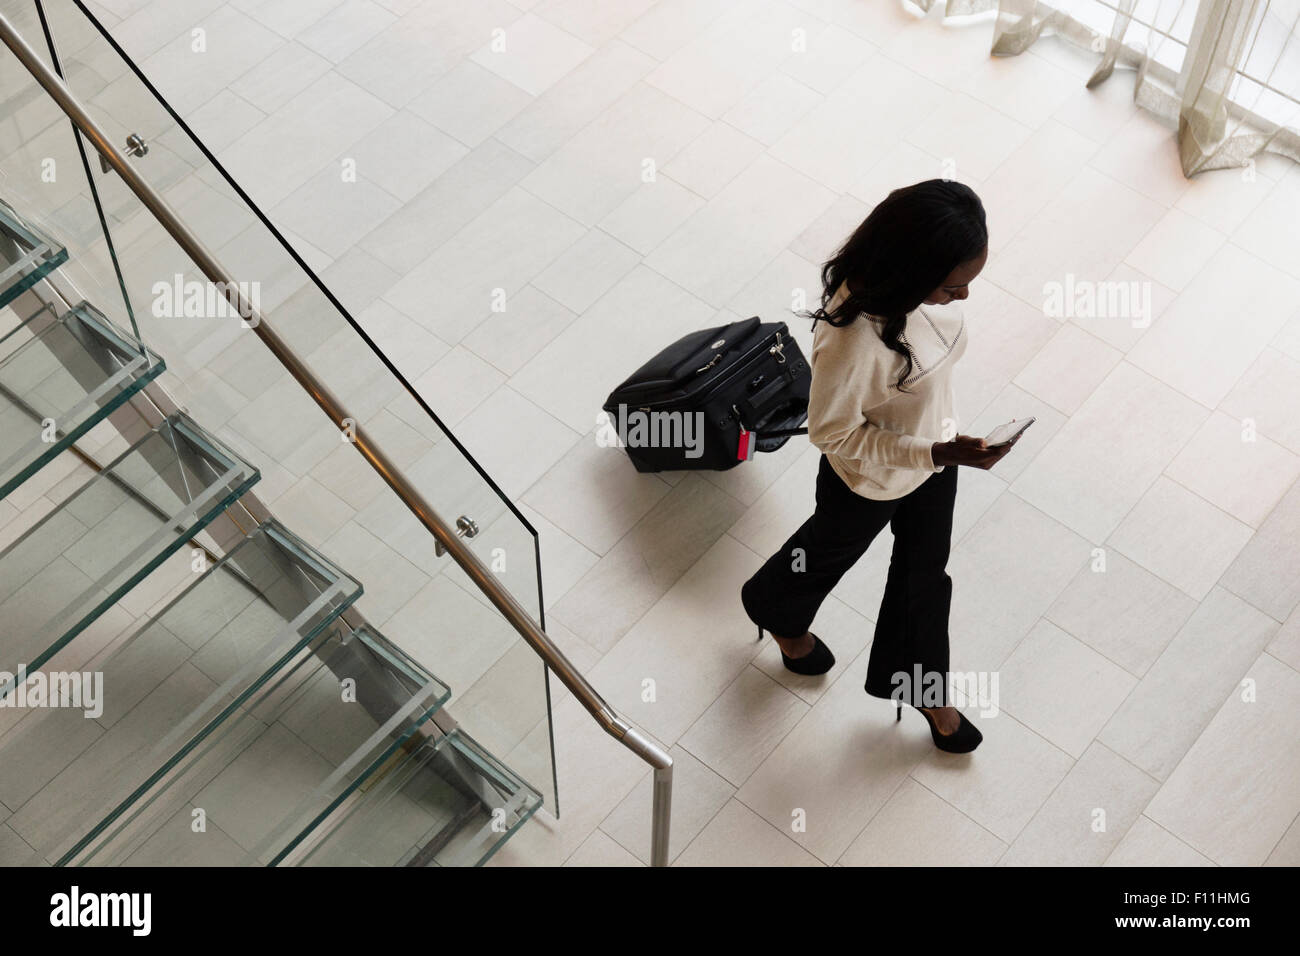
[(246, 722), (180, 524), (27, 255), (94, 547), (246, 715), (59, 378), (414, 813)]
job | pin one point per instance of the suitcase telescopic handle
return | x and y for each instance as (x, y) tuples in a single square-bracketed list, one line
[(765, 399), (769, 433), (782, 433)]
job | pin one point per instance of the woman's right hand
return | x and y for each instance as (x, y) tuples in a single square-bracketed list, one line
[(968, 450)]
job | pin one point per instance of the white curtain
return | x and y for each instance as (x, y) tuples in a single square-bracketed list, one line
[(1227, 71)]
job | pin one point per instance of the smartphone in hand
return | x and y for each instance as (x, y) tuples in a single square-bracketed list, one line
[(1008, 432)]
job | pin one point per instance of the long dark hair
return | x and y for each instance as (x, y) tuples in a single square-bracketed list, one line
[(900, 254)]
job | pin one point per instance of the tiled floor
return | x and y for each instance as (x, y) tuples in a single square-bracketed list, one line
[(1130, 572)]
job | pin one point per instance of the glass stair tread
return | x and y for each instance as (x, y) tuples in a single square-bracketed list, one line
[(299, 744), (397, 697), (181, 681), (27, 254), (81, 558), (443, 801), (72, 373)]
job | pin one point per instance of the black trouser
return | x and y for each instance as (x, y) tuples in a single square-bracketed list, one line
[(911, 636)]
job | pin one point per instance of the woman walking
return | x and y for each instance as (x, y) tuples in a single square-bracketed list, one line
[(881, 410)]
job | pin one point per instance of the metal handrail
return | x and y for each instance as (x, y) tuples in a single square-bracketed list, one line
[(518, 616)]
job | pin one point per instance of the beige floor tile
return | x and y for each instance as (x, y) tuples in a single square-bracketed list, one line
[(545, 124), (1004, 782), (651, 213), (917, 828), (717, 157), (738, 836), (1286, 645), (973, 137), (1287, 851), (837, 768), (1084, 231), (1005, 335), (1142, 154), (1235, 469), (1177, 349), (595, 772), (412, 234), (770, 109), (698, 794), (308, 132), (1122, 611), (1087, 816), (881, 174), (586, 270), (1147, 844), (601, 166), (1030, 178), (787, 285), (515, 441), (649, 312), (1265, 231), (595, 494), (600, 850), (1095, 469), (1223, 198), (782, 508), (670, 24), (744, 725), (1266, 572), (1029, 95), (1068, 369), (1266, 396), (716, 252), (827, 58), (532, 53), (1098, 113), (1180, 537), (899, 101), (14, 851), (1123, 328), (458, 286), (1175, 249), (716, 67), (1180, 693), (1061, 688), (1288, 339), (426, 41), (686, 650), (633, 575), (1236, 793), (1013, 541), (564, 560), (747, 482), (508, 339), (469, 103)]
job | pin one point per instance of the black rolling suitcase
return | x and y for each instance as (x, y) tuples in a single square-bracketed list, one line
[(711, 399)]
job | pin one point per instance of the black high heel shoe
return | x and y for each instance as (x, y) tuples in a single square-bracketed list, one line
[(817, 661), (961, 741)]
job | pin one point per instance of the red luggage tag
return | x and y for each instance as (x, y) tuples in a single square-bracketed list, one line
[(745, 450)]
